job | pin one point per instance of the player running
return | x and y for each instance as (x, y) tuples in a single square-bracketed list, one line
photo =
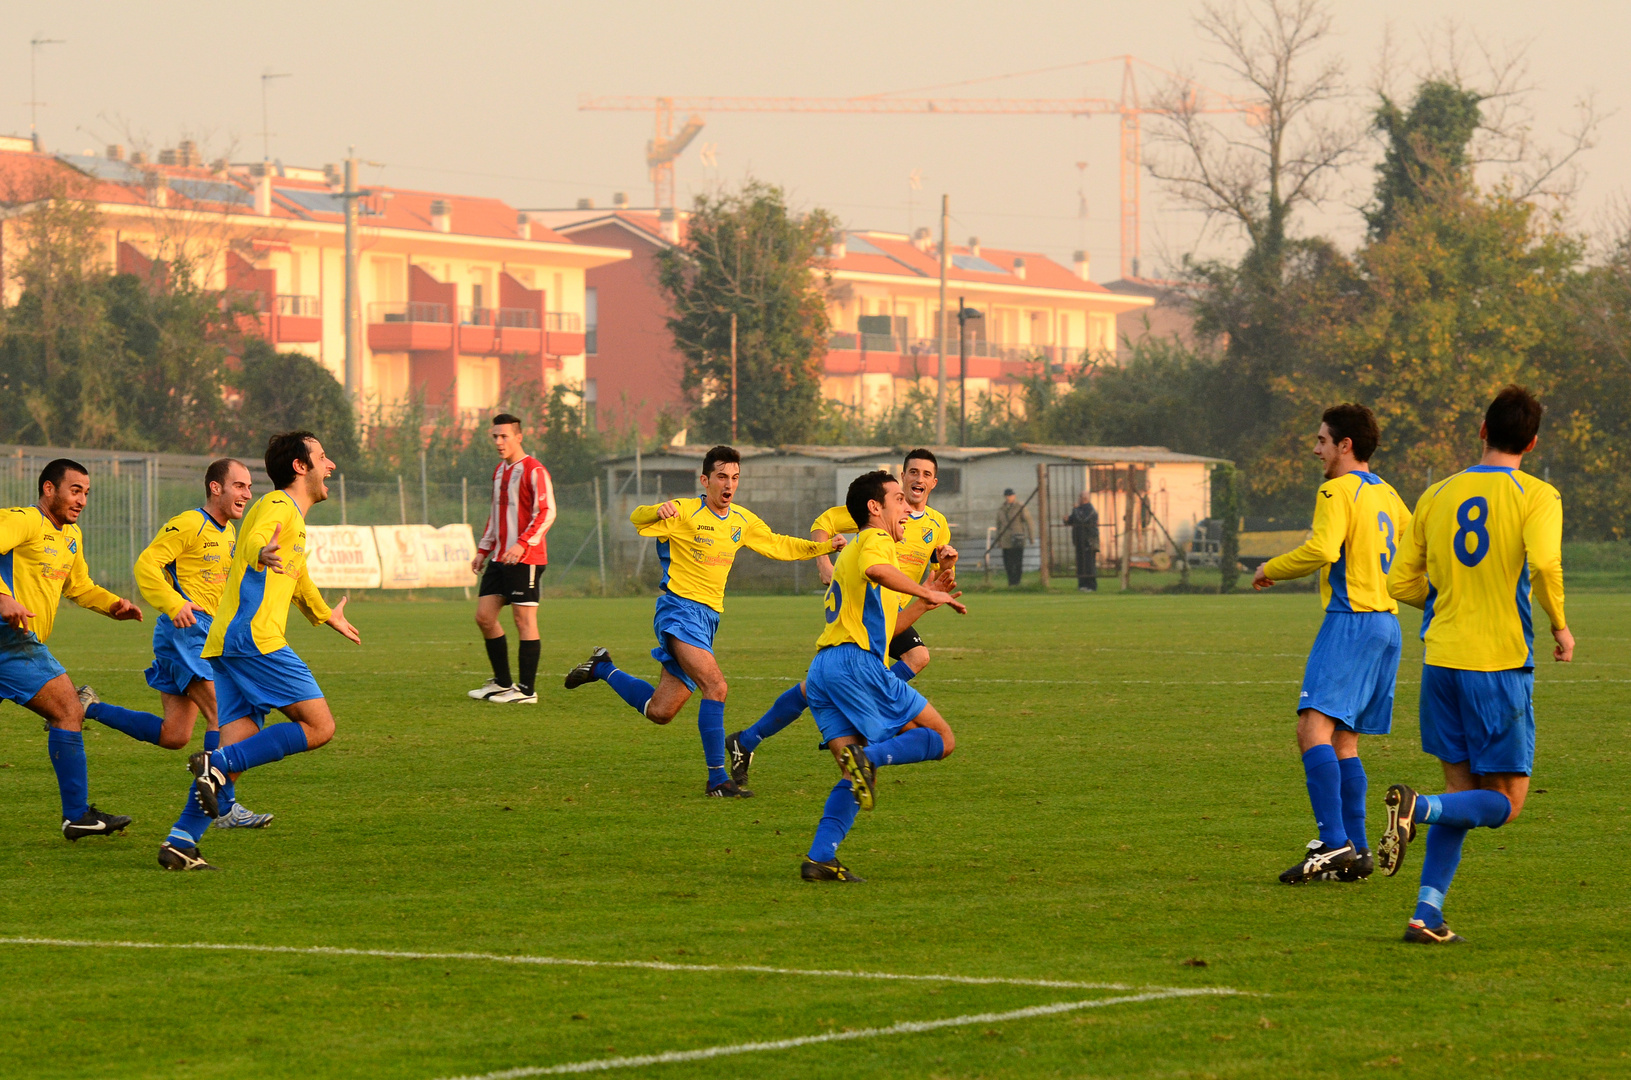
[(513, 544), (181, 574), (1482, 543), (255, 670), (697, 542), (869, 718), (1349, 680), (924, 550), (42, 559)]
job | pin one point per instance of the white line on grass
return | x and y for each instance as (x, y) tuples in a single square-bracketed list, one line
[(909, 1027), (557, 961)]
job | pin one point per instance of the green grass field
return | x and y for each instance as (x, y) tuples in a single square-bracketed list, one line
[(1124, 791)]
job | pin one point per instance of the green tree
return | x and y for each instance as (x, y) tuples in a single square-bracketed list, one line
[(1427, 143), (745, 254), (290, 391)]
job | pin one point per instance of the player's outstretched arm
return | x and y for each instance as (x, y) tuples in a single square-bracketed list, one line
[(337, 620), (891, 578), (919, 607), (1322, 548), (823, 562), (783, 548), (155, 588), (91, 596)]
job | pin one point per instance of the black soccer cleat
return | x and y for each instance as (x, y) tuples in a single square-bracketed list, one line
[(862, 775), (1401, 828), (210, 782), (738, 758), (832, 870), (94, 823), (730, 789), (1320, 859), (175, 857), (585, 672), (1363, 866), (1419, 933)]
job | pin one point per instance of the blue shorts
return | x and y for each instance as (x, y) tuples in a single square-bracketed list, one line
[(26, 665), (178, 655), (851, 692), (254, 685), (687, 621), (1485, 718), (1352, 670)]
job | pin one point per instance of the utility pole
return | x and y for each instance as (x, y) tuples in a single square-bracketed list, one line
[(940, 383), (266, 127), (34, 101), (733, 377), (962, 373), (353, 361)]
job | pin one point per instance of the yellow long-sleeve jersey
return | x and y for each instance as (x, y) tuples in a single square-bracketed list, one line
[(698, 547), (188, 561), (254, 608), (926, 533), (1482, 545), (857, 608), (1358, 519), (40, 564)]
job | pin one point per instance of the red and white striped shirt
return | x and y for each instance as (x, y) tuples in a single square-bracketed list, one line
[(523, 510)]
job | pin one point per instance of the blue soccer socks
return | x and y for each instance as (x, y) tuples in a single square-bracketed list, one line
[(1354, 784), (836, 818), (903, 671), (226, 797), (1437, 869), (190, 826), (67, 750), (1325, 793), (212, 740), (907, 748), (141, 726), (636, 692), (711, 726), (1478, 809), (273, 744), (787, 708)]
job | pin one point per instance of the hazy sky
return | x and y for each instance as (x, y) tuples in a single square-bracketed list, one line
[(481, 98)]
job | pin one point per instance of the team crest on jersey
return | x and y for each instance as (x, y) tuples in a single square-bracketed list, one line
[(928, 535), (736, 535), (73, 547)]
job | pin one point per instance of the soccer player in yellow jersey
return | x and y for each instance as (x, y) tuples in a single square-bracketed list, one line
[(924, 549), (255, 670), (42, 559), (1483, 546), (697, 542), (868, 717), (1348, 684)]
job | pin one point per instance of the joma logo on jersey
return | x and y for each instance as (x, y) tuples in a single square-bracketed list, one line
[(705, 528)]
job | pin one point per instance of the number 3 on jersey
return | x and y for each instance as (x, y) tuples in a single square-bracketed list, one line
[(1472, 538), (1384, 524), (834, 601)]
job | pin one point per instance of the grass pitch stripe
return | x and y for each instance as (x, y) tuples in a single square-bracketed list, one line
[(558, 961), (909, 1027)]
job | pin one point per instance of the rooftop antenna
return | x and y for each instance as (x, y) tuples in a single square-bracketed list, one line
[(266, 133), (34, 102)]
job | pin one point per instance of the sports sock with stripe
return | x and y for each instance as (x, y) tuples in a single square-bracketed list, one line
[(836, 818), (711, 726), (635, 692), (1437, 870), (274, 744), (67, 750), (141, 726), (190, 826), (907, 748), (903, 671), (1354, 784), (786, 708), (498, 655), (528, 655), (1325, 793), (1478, 809)]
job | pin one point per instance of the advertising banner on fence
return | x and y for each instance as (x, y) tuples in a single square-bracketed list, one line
[(343, 557), (423, 557)]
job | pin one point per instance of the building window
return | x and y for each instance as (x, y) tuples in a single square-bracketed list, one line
[(591, 321)]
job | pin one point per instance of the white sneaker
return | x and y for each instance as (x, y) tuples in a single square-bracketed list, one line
[(487, 689), (514, 696)]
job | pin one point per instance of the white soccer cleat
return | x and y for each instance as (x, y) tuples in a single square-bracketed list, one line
[(489, 688), (514, 696), (240, 817), (87, 696)]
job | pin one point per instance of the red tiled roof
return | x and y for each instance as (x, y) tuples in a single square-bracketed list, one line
[(901, 257)]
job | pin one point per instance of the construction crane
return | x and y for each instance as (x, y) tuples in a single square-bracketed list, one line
[(666, 145)]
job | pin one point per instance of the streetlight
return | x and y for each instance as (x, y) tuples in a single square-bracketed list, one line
[(965, 315)]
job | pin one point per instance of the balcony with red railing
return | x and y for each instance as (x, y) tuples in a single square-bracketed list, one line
[(563, 333), (409, 326), (295, 318)]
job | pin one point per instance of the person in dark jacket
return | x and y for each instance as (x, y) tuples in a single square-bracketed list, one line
[(1084, 533), (1014, 532)]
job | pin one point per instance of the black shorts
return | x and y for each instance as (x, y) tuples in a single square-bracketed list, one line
[(904, 642), (517, 583)]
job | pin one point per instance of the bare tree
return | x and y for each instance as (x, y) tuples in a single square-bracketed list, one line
[(1293, 142)]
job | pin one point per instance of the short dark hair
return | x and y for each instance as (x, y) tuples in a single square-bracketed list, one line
[(1513, 420), (217, 473), (54, 471), (921, 454), (282, 451), (1355, 422), (507, 418), (868, 487), (720, 455)]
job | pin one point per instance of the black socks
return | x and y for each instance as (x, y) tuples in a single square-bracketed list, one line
[(529, 663), (498, 654)]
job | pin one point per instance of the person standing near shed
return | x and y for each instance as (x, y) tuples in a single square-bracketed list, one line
[(1014, 531), (1084, 533)]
